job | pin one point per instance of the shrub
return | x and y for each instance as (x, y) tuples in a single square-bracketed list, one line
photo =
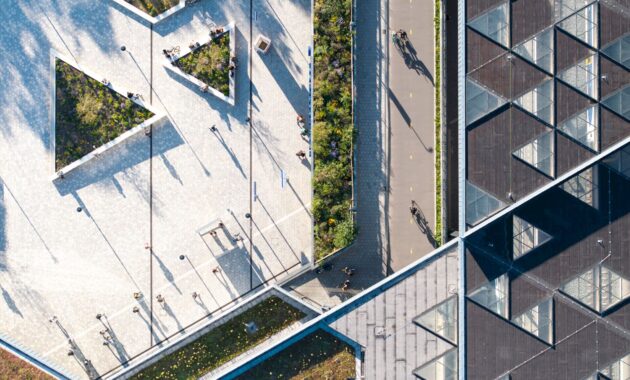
[(333, 129)]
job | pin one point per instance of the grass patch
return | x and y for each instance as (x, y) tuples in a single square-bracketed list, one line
[(12, 367), (333, 129), (210, 63), (224, 343), (153, 7), (318, 356), (88, 114), (437, 21)]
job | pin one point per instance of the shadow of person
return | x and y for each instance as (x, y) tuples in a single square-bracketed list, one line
[(10, 302), (414, 63)]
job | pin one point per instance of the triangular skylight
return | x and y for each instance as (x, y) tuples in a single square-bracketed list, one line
[(584, 187), (583, 127), (538, 153), (442, 368), (620, 161), (564, 8), (619, 369), (619, 102), (599, 288), (526, 237), (538, 320), (441, 319), (480, 101), (583, 76), (583, 25), (619, 50), (539, 101), (538, 50), (480, 204), (493, 295), (494, 24)]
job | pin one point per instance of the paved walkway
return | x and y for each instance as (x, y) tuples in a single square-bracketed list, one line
[(369, 253), (411, 107), (382, 248), (152, 192)]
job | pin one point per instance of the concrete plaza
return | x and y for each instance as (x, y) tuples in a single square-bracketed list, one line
[(144, 201)]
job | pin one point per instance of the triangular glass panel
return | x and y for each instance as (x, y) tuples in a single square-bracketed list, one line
[(526, 237), (564, 8), (538, 153), (538, 320), (614, 288), (442, 368), (584, 288), (619, 102), (494, 24), (493, 295), (441, 319), (620, 161), (618, 370), (584, 187), (538, 50), (599, 288), (480, 101), (583, 127), (583, 25), (539, 101), (480, 204), (583, 76), (619, 50)]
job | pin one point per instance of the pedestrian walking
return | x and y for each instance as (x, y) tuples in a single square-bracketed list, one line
[(213, 128), (160, 298), (137, 295), (135, 309), (301, 154), (216, 270), (300, 120), (195, 295)]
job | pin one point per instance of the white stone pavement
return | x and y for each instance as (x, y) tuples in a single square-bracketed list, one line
[(57, 261)]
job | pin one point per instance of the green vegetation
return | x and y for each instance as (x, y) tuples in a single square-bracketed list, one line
[(224, 343), (12, 367), (333, 129), (437, 20), (153, 7), (318, 356), (210, 63), (88, 114)]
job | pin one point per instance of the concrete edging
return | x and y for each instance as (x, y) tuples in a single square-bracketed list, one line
[(149, 18), (206, 39), (157, 116)]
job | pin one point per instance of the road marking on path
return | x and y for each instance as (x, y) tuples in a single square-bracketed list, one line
[(410, 30), (411, 156), (411, 94), (410, 188)]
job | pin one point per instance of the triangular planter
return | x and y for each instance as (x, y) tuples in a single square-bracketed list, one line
[(152, 19), (59, 172), (170, 64)]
